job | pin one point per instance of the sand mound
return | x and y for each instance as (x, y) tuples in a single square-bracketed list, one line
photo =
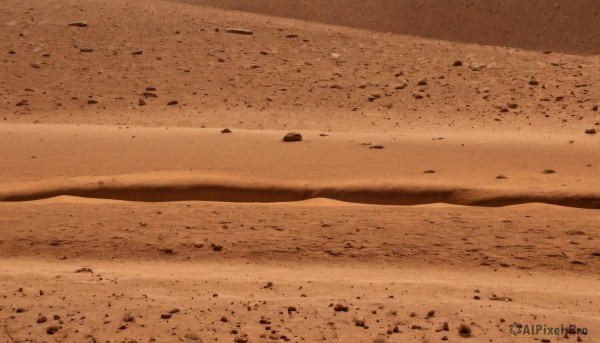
[(565, 26)]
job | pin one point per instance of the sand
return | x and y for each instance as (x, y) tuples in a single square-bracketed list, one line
[(447, 174)]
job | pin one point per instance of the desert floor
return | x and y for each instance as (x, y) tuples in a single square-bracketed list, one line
[(446, 178)]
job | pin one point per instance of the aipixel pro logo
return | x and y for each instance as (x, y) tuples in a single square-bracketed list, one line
[(517, 329)]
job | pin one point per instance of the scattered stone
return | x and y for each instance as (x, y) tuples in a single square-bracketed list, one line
[(359, 322), (137, 52), (430, 314), (335, 56), (92, 102), (84, 270), (86, 50), (340, 308), (534, 82), (549, 171), (239, 31), (167, 251), (446, 327), (513, 106), (141, 102), (150, 95), (166, 316), (292, 309), (292, 137), (501, 177), (457, 64), (22, 103), (224, 319), (264, 52), (291, 35), (591, 131), (429, 171), (422, 82), (240, 340), (79, 24), (377, 147), (269, 285), (42, 319), (20, 310), (595, 108), (226, 130), (172, 103), (216, 247), (175, 310)]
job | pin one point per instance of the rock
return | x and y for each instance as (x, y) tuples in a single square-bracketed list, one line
[(377, 147), (84, 270), (292, 309), (534, 82), (138, 52), (175, 310), (548, 171), (239, 31), (464, 330), (400, 86), (359, 322), (20, 310), (224, 319), (22, 103), (422, 82), (430, 314), (457, 64), (591, 131), (340, 308), (166, 316), (141, 102), (42, 319), (52, 329), (226, 130), (595, 108), (92, 102), (79, 24), (513, 105), (264, 52), (240, 340), (335, 56), (501, 177), (446, 327), (291, 35), (292, 137), (172, 103), (191, 336), (216, 247), (429, 171), (86, 50)]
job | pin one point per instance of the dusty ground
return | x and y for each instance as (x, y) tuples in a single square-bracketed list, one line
[(424, 191)]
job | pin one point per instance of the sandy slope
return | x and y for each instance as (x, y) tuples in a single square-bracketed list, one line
[(167, 212)]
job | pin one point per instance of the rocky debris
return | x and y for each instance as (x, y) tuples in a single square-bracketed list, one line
[(224, 319), (513, 106), (21, 310), (446, 327), (86, 50), (137, 52), (376, 147), (79, 24), (216, 247), (534, 82), (292, 137), (167, 251), (264, 52), (239, 31), (595, 108), (92, 102), (149, 95), (22, 103), (548, 171), (240, 340), (84, 270), (172, 103), (166, 316), (226, 130), (422, 82), (291, 35), (151, 89), (400, 86), (430, 314), (141, 102), (335, 56), (477, 66), (501, 177), (457, 63), (429, 171), (292, 309), (269, 285), (42, 319), (359, 322), (340, 308), (591, 131)]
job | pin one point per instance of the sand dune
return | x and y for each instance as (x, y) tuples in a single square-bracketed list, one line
[(562, 26)]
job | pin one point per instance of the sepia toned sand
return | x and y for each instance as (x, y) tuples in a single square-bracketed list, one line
[(425, 195)]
